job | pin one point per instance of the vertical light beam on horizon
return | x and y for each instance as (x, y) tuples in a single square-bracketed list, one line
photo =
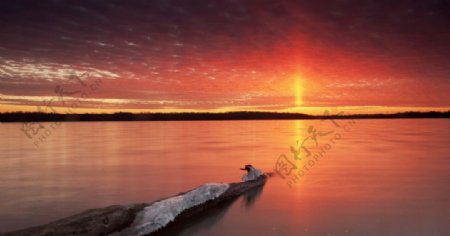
[(298, 90)]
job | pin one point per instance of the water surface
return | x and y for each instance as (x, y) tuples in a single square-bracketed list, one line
[(382, 177)]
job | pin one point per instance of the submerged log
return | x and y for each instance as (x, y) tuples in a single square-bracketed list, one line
[(233, 192), (114, 219), (93, 222)]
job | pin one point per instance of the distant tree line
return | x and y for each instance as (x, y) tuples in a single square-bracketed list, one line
[(241, 115)]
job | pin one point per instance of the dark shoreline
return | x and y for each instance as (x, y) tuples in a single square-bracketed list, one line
[(192, 116)]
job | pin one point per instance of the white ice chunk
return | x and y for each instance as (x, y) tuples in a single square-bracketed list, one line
[(160, 213), (252, 174)]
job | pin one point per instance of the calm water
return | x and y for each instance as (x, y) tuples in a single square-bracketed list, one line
[(383, 177)]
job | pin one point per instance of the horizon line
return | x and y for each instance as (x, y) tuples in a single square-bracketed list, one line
[(197, 116)]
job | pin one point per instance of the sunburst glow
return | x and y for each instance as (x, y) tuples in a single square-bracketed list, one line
[(298, 89)]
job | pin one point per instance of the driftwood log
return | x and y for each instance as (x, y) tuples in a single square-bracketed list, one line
[(107, 220)]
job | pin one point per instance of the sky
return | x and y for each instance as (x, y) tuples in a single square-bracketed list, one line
[(365, 56)]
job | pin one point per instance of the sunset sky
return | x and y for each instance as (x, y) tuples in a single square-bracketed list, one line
[(257, 55)]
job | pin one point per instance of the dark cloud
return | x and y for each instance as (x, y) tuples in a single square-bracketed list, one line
[(37, 28)]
